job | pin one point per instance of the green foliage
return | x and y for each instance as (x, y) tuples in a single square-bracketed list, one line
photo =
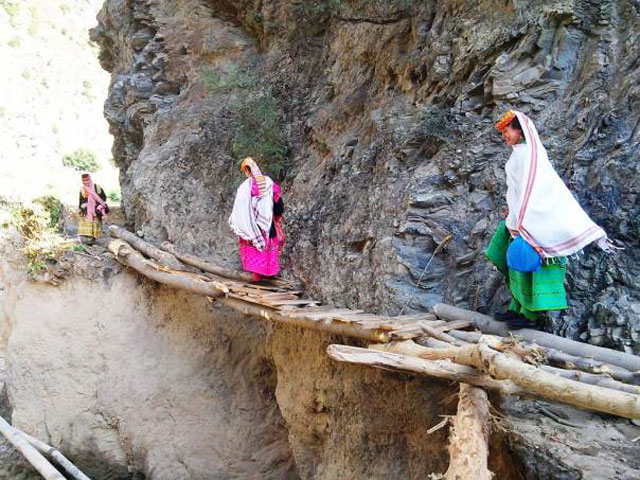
[(258, 134), (81, 160), (37, 224), (12, 8), (41, 242), (35, 267), (14, 42), (115, 196), (26, 74), (3, 111), (229, 80), (324, 147), (54, 208), (257, 125), (435, 125)]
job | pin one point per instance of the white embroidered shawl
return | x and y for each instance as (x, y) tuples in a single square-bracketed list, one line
[(251, 216), (541, 207)]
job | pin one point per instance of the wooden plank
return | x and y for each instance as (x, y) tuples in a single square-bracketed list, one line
[(417, 325), (253, 287), (416, 317), (329, 314), (353, 316), (255, 300), (279, 316), (314, 309), (298, 301), (278, 294)]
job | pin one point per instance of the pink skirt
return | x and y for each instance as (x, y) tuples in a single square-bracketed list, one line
[(265, 262)]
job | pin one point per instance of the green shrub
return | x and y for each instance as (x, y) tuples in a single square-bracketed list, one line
[(14, 42), (435, 125), (35, 222), (81, 160), (228, 80), (258, 134), (115, 196), (54, 208)]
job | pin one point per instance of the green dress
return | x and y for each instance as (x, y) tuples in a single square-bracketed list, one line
[(532, 291)]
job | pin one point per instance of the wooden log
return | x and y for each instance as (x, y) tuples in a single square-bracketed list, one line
[(589, 365), (205, 265), (60, 459), (572, 362), (410, 364), (124, 253), (600, 380), (469, 337), (552, 387), (533, 380), (469, 437), (325, 324), (164, 258), (35, 458), (487, 324), (439, 335)]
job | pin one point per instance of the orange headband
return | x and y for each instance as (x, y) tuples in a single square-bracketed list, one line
[(506, 119)]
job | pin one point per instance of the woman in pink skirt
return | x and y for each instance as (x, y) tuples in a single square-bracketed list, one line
[(255, 219)]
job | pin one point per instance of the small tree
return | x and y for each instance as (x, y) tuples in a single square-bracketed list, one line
[(81, 160)]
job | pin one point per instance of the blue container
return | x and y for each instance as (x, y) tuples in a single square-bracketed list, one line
[(522, 257)]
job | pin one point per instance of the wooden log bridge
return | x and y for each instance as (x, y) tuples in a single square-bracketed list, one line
[(439, 343), (449, 343)]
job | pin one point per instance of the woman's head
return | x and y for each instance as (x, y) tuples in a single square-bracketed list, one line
[(510, 128), (250, 167), (86, 179)]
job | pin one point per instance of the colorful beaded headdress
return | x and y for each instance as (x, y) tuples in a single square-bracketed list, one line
[(506, 119)]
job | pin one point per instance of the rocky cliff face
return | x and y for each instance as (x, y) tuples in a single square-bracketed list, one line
[(381, 114)]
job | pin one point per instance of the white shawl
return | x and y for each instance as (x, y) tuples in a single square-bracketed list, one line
[(251, 216), (541, 207)]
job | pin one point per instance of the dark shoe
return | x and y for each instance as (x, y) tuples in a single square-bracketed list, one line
[(506, 316), (520, 321)]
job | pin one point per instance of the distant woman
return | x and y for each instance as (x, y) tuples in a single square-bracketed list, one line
[(544, 225), (93, 209), (255, 219)]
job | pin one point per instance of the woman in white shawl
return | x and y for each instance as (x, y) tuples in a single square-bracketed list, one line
[(255, 219), (544, 213)]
